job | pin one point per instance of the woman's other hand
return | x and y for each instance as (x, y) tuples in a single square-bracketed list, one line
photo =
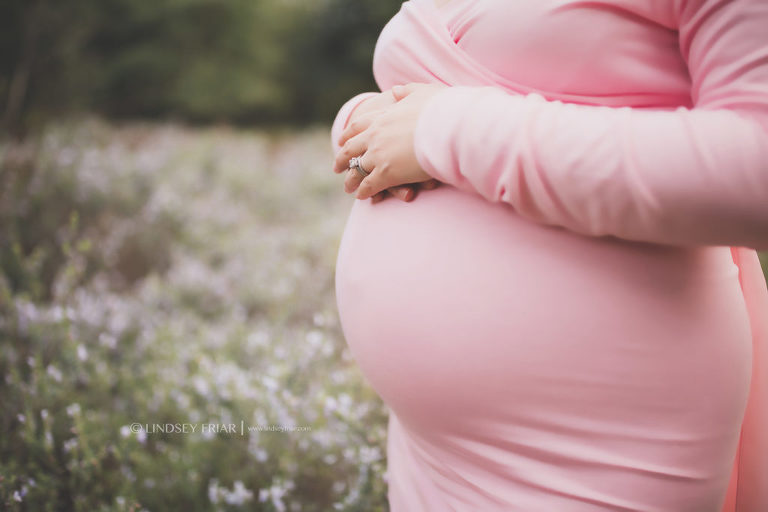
[(408, 196), (384, 138)]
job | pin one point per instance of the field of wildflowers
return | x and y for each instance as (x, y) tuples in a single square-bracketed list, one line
[(160, 276), (159, 285)]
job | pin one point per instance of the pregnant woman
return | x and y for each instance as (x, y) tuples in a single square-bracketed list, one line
[(575, 319)]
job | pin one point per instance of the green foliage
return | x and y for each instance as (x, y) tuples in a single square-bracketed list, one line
[(165, 276), (198, 60)]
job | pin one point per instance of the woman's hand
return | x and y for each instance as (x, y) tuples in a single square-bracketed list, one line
[(385, 139), (370, 107)]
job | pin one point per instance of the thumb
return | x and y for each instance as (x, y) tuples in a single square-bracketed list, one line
[(401, 91)]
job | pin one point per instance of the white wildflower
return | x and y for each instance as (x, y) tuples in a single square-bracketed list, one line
[(345, 401), (369, 454), (261, 455), (73, 409), (239, 494), (54, 373), (330, 405), (70, 444), (314, 338), (108, 340), (213, 491), (269, 383), (57, 313), (276, 493), (258, 338), (201, 386)]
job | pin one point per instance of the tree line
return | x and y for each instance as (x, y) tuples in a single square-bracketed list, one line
[(201, 61)]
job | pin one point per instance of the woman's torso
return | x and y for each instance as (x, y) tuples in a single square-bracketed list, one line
[(525, 364)]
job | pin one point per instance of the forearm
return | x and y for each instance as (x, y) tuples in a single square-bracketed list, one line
[(682, 177)]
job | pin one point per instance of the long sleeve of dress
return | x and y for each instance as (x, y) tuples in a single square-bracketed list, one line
[(689, 176), (342, 117)]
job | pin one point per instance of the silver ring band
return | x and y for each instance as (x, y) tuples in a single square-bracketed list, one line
[(356, 162)]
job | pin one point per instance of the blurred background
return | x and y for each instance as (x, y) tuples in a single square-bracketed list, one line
[(169, 224), (168, 231), (248, 62)]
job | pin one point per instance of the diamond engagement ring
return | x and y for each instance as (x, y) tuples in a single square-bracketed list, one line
[(357, 163)]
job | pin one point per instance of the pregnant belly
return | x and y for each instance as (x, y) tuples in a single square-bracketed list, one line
[(460, 312)]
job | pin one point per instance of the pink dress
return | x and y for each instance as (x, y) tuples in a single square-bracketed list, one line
[(577, 320)]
